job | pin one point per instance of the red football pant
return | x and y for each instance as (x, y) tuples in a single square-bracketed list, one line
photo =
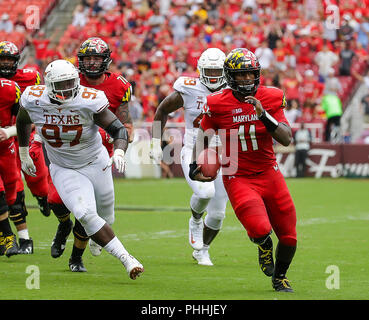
[(263, 202), (38, 185), (9, 174)]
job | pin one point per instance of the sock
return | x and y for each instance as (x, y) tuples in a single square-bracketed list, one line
[(267, 244), (284, 255), (23, 234), (116, 248), (5, 227), (77, 252)]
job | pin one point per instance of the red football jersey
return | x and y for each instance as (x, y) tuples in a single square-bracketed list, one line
[(117, 89), (247, 147), (10, 94), (26, 77)]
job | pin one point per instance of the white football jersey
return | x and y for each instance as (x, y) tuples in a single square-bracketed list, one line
[(194, 94), (68, 130)]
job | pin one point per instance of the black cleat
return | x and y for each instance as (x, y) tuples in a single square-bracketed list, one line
[(43, 206), (266, 261), (60, 239), (9, 246), (25, 246), (281, 284), (76, 265)]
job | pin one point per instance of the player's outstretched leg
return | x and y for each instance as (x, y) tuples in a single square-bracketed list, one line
[(265, 253), (79, 246), (95, 249)]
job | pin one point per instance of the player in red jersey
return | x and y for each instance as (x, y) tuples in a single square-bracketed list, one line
[(9, 173), (247, 117), (9, 60), (94, 60)]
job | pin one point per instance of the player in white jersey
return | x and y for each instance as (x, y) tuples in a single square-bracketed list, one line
[(190, 93), (67, 117)]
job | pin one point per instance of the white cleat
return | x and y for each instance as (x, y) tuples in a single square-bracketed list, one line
[(195, 234), (202, 257), (133, 267), (95, 249)]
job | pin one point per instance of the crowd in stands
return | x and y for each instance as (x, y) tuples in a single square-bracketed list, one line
[(305, 47)]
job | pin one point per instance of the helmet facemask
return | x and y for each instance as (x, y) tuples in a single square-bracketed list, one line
[(210, 66), (65, 90), (212, 78)]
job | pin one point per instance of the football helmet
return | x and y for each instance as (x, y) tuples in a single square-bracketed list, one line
[(62, 81), (94, 47), (239, 61), (8, 50), (210, 66)]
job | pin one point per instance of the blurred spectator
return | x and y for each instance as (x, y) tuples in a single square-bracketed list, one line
[(312, 88), (325, 59), (365, 104), (291, 84), (302, 141), (265, 55), (156, 21), (179, 23), (346, 56), (363, 32), (292, 111), (332, 83), (346, 31), (80, 16), (332, 106), (107, 5), (6, 24), (19, 25), (135, 109)]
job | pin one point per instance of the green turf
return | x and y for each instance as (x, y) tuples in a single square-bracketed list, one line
[(333, 218)]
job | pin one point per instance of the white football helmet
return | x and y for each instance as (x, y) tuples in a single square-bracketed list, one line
[(210, 66), (62, 80)]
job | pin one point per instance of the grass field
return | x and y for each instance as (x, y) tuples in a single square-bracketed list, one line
[(333, 219)]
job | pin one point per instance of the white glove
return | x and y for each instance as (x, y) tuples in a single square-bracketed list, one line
[(156, 153), (118, 160), (28, 166)]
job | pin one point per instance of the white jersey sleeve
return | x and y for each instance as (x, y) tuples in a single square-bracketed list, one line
[(194, 94), (70, 134)]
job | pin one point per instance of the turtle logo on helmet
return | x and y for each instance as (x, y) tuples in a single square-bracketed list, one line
[(238, 61), (94, 47), (8, 50)]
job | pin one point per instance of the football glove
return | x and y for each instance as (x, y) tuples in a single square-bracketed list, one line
[(156, 153), (118, 160), (27, 164)]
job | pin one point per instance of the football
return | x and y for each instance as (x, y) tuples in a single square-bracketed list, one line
[(209, 161)]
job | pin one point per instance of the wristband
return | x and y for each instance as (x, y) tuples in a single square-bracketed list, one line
[(10, 131), (269, 122), (23, 153)]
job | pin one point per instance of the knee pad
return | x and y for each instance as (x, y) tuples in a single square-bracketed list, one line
[(213, 222), (198, 204), (3, 205), (79, 232), (90, 221)]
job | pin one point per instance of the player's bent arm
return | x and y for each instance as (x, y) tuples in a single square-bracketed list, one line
[(283, 134), (124, 116), (202, 142), (170, 103), (24, 127), (111, 124)]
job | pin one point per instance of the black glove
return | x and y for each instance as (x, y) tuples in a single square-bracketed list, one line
[(193, 170)]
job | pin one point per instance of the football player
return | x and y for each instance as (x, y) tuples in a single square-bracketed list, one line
[(93, 60), (190, 93), (67, 116), (9, 173), (252, 115), (9, 60)]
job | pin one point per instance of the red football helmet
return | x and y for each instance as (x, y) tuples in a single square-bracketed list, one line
[(8, 51), (239, 61)]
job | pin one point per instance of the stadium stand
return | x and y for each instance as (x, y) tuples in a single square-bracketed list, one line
[(152, 45)]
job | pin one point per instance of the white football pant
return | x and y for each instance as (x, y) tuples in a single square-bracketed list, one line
[(87, 192), (210, 196)]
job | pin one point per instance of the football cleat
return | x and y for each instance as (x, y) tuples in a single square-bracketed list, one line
[(43, 206), (8, 245), (281, 284), (133, 267), (195, 233), (202, 257), (266, 261), (25, 246), (76, 265), (60, 239), (95, 249)]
